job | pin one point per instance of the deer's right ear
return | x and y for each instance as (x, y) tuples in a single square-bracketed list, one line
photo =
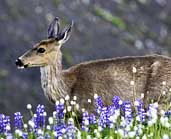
[(53, 30), (65, 34)]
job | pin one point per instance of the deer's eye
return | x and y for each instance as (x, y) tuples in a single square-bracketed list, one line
[(41, 50)]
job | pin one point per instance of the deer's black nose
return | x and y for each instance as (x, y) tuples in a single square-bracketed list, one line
[(19, 63)]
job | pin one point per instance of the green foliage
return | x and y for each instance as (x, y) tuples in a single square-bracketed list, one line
[(106, 15)]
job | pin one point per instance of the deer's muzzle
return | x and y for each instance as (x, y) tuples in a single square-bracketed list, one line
[(20, 64)]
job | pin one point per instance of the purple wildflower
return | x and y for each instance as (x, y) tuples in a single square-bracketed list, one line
[(168, 113), (115, 102), (6, 123), (2, 128), (126, 107), (98, 104), (71, 129), (18, 120), (92, 119), (112, 115), (59, 111), (103, 120), (141, 111), (85, 121), (39, 117)]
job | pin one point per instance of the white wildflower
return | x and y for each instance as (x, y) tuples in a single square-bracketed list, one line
[(83, 109), (61, 137), (71, 120), (100, 128), (136, 103), (150, 123), (55, 133), (54, 114), (89, 100), (142, 95), (50, 120), (40, 132), (95, 96), (131, 134), (144, 136), (73, 113), (156, 104), (120, 102), (19, 132), (69, 108), (73, 102), (134, 70), (165, 136), (132, 83), (88, 137), (162, 112), (164, 92), (65, 111), (79, 134), (29, 106), (31, 123), (62, 101), (48, 127), (45, 114), (86, 122), (57, 102), (67, 97), (75, 98), (8, 128), (77, 106), (25, 126), (121, 132), (164, 83), (63, 130)]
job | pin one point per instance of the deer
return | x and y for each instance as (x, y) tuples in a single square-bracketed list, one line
[(128, 77)]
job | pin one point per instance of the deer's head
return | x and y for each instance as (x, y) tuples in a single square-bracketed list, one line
[(44, 52)]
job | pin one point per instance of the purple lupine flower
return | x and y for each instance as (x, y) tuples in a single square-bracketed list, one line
[(140, 110), (71, 129), (92, 119), (85, 121), (112, 115), (126, 107), (25, 135), (18, 120), (167, 113), (6, 124), (103, 119), (98, 104), (60, 130), (2, 129), (116, 102), (39, 117), (59, 111)]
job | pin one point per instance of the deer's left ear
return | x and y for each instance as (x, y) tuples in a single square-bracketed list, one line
[(65, 34), (53, 29)]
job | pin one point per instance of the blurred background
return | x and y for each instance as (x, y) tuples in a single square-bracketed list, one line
[(103, 29)]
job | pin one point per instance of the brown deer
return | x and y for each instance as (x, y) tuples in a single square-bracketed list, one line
[(127, 77)]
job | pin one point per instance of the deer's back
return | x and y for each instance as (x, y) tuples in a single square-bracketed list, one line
[(112, 77)]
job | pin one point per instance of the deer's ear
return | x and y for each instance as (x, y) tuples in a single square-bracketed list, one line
[(53, 29), (65, 34)]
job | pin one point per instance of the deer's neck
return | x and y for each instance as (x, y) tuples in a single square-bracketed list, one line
[(52, 80)]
